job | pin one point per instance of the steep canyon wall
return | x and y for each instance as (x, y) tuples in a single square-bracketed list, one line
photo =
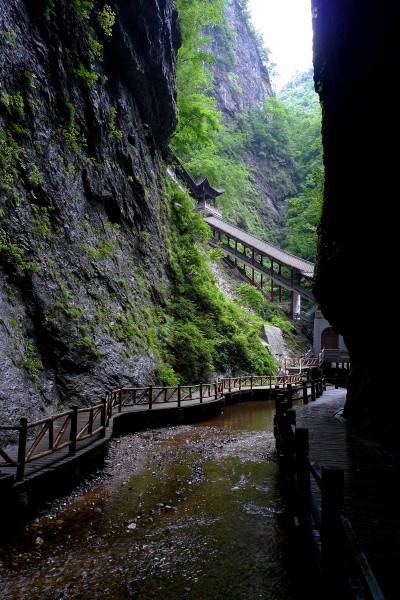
[(355, 61), (87, 108)]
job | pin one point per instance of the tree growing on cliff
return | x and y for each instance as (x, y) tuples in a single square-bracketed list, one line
[(198, 117)]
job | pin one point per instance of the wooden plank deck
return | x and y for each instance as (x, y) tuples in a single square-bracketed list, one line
[(371, 484)]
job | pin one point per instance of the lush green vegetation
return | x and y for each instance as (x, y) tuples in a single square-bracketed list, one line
[(304, 126), (193, 331), (204, 333), (198, 117), (208, 332), (271, 314), (281, 140), (207, 145)]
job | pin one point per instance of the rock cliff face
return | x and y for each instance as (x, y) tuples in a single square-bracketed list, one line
[(87, 107), (355, 43), (241, 86), (241, 81)]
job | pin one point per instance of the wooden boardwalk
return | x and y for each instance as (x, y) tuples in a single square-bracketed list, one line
[(371, 484), (50, 461), (371, 480)]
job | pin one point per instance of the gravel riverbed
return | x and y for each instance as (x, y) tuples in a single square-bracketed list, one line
[(113, 532)]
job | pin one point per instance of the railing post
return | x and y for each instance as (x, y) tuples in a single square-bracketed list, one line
[(201, 392), (251, 382), (280, 407), (278, 424), (179, 395), (305, 393), (290, 395), (90, 424), (280, 398), (216, 390), (110, 405), (73, 431), (332, 542), (103, 417), (120, 401), (336, 381), (288, 454), (312, 391), (51, 435), (303, 489), (229, 384), (23, 433), (150, 397)]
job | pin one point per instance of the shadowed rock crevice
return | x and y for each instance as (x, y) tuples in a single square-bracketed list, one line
[(355, 57)]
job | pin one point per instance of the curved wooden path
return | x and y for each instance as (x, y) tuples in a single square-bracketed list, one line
[(45, 442), (371, 478)]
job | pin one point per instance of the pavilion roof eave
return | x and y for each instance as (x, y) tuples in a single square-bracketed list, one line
[(204, 184)]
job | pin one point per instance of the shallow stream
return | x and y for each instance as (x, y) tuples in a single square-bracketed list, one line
[(188, 512)]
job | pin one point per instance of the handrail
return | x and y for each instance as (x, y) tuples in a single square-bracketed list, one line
[(66, 429), (207, 209), (54, 434), (318, 495)]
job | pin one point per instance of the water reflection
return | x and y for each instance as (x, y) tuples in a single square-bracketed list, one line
[(247, 416), (201, 519)]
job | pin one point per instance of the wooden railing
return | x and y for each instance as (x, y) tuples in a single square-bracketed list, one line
[(35, 440), (317, 501), (316, 494), (151, 395), (41, 438)]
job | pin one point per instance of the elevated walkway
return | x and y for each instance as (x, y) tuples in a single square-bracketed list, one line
[(247, 251), (303, 267)]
